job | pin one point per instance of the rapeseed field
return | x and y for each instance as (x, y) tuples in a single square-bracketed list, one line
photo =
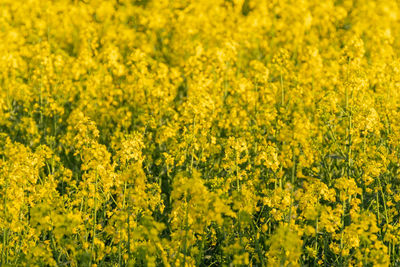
[(199, 133)]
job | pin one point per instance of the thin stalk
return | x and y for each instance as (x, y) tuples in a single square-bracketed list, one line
[(94, 219), (4, 253), (186, 235), (237, 171), (316, 237), (129, 239), (119, 243), (343, 225), (282, 90), (384, 201), (348, 130), (377, 206), (292, 189)]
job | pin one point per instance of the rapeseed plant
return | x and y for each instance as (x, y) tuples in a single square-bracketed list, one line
[(199, 133)]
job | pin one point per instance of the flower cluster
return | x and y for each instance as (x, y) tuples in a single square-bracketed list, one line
[(199, 133)]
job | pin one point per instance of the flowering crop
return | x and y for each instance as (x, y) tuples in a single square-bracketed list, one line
[(199, 133)]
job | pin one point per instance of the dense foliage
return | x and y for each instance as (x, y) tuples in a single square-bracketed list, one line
[(207, 133)]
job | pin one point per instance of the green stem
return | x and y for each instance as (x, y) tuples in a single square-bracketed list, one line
[(186, 234), (94, 220), (4, 254), (292, 189), (282, 90), (384, 201)]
